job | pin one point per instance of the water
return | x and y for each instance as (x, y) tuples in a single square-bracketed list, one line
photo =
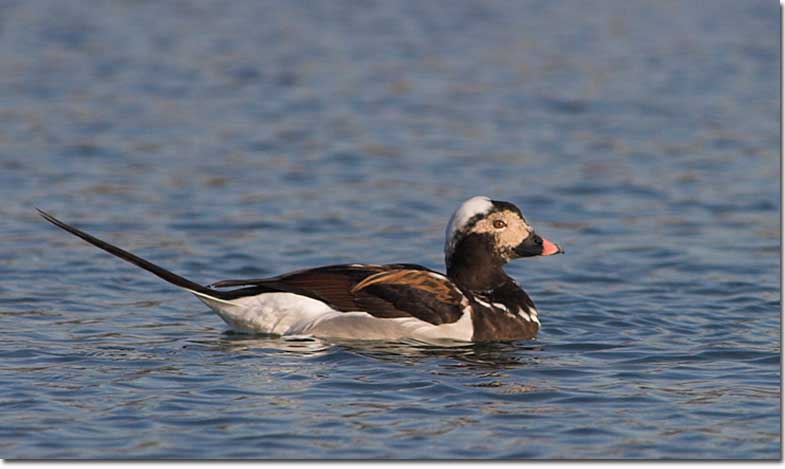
[(253, 138)]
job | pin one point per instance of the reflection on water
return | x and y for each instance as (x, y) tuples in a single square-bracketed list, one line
[(230, 140), (242, 343), (407, 352), (495, 355)]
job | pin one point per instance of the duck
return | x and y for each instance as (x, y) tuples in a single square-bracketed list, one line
[(474, 301)]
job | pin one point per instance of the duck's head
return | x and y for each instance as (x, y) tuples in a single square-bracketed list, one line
[(492, 231)]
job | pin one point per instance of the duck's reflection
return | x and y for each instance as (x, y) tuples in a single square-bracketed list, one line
[(231, 342), (486, 355)]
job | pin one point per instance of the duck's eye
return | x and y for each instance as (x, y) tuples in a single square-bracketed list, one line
[(499, 224)]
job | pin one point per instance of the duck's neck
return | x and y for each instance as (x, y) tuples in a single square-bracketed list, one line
[(475, 267)]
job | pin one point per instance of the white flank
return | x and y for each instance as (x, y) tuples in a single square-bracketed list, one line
[(470, 208), (290, 314), (462, 329), (268, 313)]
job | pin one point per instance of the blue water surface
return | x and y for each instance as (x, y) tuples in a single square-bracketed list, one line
[(232, 139)]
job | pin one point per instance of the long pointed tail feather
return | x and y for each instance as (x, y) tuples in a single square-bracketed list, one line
[(167, 275)]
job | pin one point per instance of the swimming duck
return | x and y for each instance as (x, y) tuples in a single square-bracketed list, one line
[(476, 301)]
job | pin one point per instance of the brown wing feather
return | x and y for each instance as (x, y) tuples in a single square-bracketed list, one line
[(331, 284), (383, 291), (364, 269), (334, 287), (423, 294), (441, 288)]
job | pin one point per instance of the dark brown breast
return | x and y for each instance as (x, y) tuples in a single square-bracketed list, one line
[(503, 314)]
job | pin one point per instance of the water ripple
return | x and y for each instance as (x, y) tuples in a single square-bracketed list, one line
[(304, 133)]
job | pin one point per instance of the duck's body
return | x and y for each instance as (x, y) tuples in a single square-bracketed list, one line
[(475, 302), (367, 301)]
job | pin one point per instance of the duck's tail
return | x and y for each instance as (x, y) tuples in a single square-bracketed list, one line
[(158, 271)]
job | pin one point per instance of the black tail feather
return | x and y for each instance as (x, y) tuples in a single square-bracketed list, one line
[(170, 277)]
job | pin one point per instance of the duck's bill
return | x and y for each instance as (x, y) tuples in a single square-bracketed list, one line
[(549, 248), (535, 245)]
